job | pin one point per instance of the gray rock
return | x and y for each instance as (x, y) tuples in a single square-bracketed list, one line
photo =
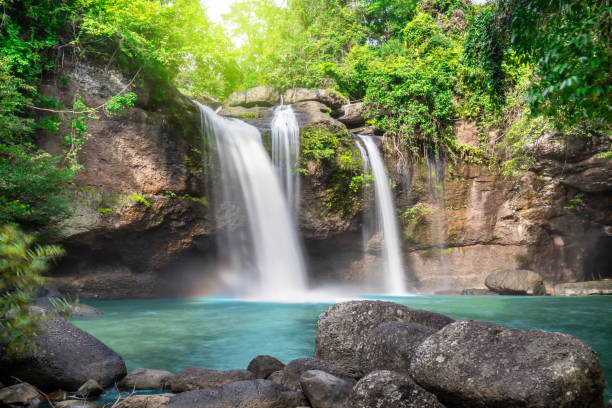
[(277, 377), (75, 404), (65, 357), (476, 292), (19, 395), (146, 401), (480, 364), (264, 95), (324, 390), (243, 394), (515, 282), (391, 346), (263, 366), (90, 389), (325, 96), (195, 378), (147, 379), (351, 115), (603, 287), (294, 370), (388, 389), (341, 328), (83, 310)]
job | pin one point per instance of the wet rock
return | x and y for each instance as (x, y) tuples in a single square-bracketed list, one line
[(251, 394), (341, 328), (75, 404), (476, 292), (20, 395), (603, 287), (388, 389), (325, 96), (515, 282), (146, 401), (263, 366), (58, 395), (391, 346), (264, 95), (294, 370), (90, 389), (147, 379), (351, 115), (195, 378), (324, 390), (480, 364), (65, 357), (83, 310)]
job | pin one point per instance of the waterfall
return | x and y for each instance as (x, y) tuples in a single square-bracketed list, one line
[(285, 152), (267, 255), (385, 214)]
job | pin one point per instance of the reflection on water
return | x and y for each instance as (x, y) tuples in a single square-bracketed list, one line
[(225, 333)]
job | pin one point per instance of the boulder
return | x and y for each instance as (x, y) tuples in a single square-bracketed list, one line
[(480, 364), (147, 379), (294, 370), (515, 282), (146, 401), (195, 378), (263, 366), (324, 390), (341, 328), (325, 96), (603, 287), (264, 95), (75, 404), (251, 394), (65, 357), (58, 395), (83, 310), (20, 395), (391, 346), (351, 115), (90, 389), (388, 389)]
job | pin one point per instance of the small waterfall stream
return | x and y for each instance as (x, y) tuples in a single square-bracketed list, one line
[(268, 258), (386, 216), (285, 152)]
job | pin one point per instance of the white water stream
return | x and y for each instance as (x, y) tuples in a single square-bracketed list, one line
[(267, 258), (386, 216), (285, 152)]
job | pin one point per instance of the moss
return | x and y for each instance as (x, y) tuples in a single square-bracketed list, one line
[(200, 200), (140, 199)]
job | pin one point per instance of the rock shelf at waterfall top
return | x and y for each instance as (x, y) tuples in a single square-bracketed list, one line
[(424, 359)]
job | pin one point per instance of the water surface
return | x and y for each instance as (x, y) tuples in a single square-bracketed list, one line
[(226, 333)]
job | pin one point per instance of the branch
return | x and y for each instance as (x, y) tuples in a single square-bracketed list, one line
[(91, 109)]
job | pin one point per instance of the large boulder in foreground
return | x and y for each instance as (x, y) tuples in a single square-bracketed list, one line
[(243, 394), (324, 390), (515, 282), (20, 395), (292, 373), (65, 357), (195, 378), (392, 345), (479, 364), (341, 329), (388, 389), (262, 366), (147, 379)]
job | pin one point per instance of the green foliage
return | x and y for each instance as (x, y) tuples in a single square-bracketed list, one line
[(201, 200), (319, 143), (140, 199), (21, 266), (575, 202), (120, 102)]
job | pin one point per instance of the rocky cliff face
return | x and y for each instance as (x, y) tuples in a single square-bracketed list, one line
[(142, 227)]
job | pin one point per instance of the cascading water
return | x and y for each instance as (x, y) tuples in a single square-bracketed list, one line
[(267, 257), (386, 216), (285, 152)]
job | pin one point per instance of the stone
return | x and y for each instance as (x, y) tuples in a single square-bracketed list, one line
[(75, 404), (147, 379), (476, 292), (65, 357), (90, 389), (294, 370), (391, 346), (388, 389), (481, 364), (351, 115), (146, 401), (20, 395), (325, 96), (341, 328), (602, 287), (324, 390), (58, 395), (515, 282), (263, 366), (195, 378), (83, 310), (264, 95), (277, 377), (247, 394)]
